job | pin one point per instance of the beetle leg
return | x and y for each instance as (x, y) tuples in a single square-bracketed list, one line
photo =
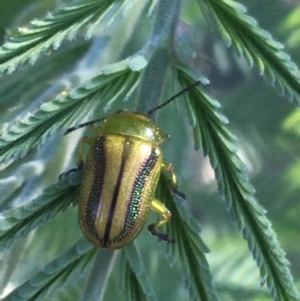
[(160, 208), (170, 168), (80, 162)]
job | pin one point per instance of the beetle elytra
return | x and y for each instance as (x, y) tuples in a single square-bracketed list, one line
[(120, 176)]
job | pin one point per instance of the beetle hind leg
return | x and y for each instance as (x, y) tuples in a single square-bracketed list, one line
[(170, 168), (160, 208)]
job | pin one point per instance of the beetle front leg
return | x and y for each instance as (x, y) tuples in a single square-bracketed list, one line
[(160, 208), (170, 168), (80, 161)]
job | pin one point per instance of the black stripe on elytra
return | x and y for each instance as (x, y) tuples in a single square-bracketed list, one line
[(112, 209), (93, 203), (133, 205)]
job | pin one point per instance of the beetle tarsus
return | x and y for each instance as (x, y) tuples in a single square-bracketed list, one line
[(67, 173), (178, 193), (162, 236), (79, 168)]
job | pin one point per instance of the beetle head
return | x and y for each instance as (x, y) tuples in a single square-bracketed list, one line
[(134, 124)]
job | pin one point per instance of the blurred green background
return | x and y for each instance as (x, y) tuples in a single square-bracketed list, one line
[(266, 124)]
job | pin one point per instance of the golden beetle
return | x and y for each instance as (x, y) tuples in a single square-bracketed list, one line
[(121, 173)]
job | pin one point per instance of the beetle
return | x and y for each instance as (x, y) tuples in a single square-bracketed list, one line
[(120, 176)]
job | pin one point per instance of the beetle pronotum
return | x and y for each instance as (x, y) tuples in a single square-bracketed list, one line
[(121, 172)]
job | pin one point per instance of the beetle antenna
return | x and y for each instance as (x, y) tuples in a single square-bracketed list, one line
[(72, 129), (197, 83)]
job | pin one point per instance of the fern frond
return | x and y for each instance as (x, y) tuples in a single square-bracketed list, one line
[(137, 283), (219, 144), (34, 40), (134, 291), (256, 46), (67, 107), (57, 271), (189, 245), (18, 222), (15, 96)]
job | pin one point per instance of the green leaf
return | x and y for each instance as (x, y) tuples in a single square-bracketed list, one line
[(137, 284), (33, 41), (248, 214), (18, 222), (256, 45), (59, 270), (189, 246), (67, 107)]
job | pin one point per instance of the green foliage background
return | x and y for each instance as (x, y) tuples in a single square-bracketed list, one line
[(74, 66)]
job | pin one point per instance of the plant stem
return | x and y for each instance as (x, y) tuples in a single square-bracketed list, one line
[(98, 277), (157, 50)]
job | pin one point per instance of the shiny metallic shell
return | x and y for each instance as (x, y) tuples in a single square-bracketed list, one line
[(120, 177)]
